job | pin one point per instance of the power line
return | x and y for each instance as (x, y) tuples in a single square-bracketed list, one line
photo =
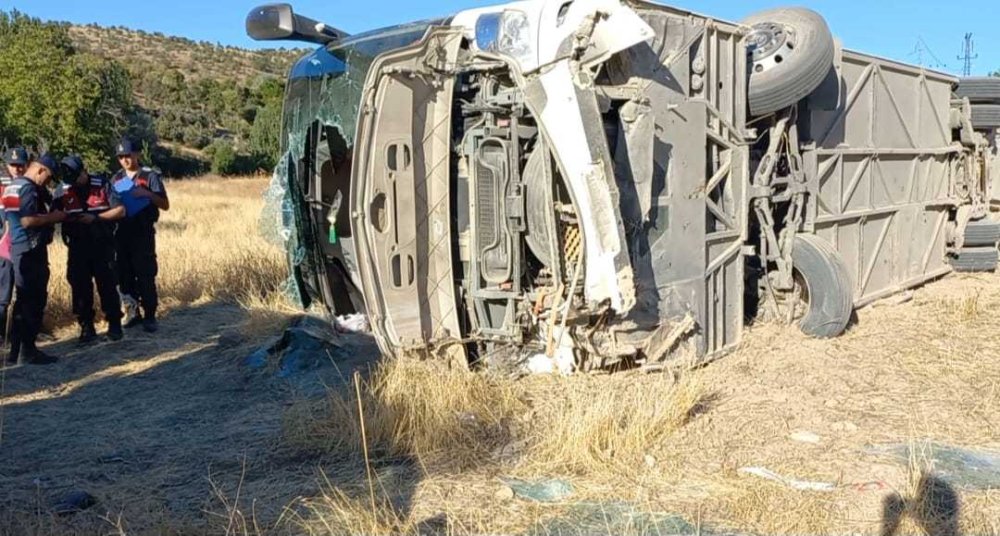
[(925, 56), (968, 54)]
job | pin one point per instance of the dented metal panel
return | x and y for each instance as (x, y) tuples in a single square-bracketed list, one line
[(882, 168), (688, 251)]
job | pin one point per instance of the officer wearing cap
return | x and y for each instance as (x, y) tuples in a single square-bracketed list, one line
[(92, 207), (17, 163), (26, 204), (143, 195)]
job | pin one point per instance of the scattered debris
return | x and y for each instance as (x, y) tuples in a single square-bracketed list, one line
[(616, 518), (562, 363), (665, 338), (969, 469), (356, 323), (258, 359), (73, 502), (546, 491), (806, 437), (802, 485), (306, 345)]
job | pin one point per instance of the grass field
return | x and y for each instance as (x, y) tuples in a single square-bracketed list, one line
[(416, 448)]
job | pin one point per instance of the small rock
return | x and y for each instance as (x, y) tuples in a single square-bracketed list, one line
[(505, 493), (111, 458), (845, 426), (650, 461), (831, 403), (73, 502), (436, 524), (231, 339), (806, 437)]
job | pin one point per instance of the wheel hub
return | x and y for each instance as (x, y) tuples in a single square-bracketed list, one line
[(766, 39)]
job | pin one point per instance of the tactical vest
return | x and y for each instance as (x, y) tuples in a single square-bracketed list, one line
[(22, 238), (92, 198)]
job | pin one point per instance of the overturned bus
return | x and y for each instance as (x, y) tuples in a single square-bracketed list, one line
[(607, 182)]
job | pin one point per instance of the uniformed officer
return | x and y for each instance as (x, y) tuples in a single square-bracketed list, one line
[(26, 204), (143, 194), (92, 207), (17, 163)]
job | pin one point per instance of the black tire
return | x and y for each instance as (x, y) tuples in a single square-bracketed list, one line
[(790, 52), (828, 283), (985, 89), (982, 233), (975, 260), (985, 116)]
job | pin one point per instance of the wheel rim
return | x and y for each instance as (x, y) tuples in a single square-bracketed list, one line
[(767, 44)]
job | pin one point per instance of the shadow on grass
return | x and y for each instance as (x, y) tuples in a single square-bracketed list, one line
[(167, 431), (935, 508)]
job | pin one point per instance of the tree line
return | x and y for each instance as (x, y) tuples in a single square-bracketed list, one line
[(56, 97)]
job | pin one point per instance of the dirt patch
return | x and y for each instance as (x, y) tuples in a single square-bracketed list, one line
[(162, 430)]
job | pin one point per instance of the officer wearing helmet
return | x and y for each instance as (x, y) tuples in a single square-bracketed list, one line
[(92, 207), (17, 163), (143, 195), (26, 205)]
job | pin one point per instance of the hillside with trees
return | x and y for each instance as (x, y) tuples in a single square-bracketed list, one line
[(195, 106)]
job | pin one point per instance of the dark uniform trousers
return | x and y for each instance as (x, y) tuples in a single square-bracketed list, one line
[(6, 285), (31, 278), (93, 261), (135, 243)]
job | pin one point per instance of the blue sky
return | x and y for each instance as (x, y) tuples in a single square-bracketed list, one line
[(891, 29)]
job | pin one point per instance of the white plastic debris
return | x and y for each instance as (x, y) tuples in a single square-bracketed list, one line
[(540, 364), (806, 437), (565, 362), (801, 485), (561, 363), (356, 323)]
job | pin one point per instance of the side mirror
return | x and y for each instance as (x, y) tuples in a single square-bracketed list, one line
[(278, 22)]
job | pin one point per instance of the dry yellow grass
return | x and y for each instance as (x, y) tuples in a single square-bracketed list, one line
[(412, 408), (209, 249), (924, 369), (473, 425)]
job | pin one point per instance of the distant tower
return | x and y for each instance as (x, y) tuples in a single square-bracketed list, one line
[(925, 57), (968, 54)]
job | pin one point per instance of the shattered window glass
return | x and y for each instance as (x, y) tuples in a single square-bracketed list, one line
[(325, 88)]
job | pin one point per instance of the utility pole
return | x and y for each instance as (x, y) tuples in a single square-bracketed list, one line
[(968, 54)]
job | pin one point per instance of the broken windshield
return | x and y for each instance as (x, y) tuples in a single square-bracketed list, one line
[(324, 90), (326, 85)]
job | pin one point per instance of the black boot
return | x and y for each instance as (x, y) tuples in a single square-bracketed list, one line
[(3, 325), (149, 323), (31, 355), (115, 330), (88, 333)]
